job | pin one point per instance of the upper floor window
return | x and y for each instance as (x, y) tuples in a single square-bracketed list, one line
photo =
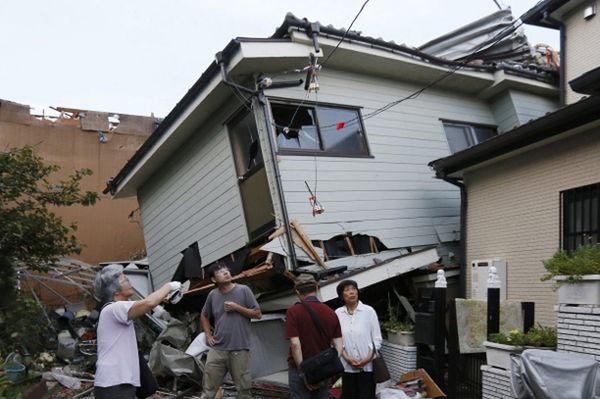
[(311, 129), (580, 216), (464, 135)]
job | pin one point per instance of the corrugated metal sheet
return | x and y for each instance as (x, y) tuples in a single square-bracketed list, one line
[(482, 38)]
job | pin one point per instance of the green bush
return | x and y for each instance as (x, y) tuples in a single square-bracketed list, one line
[(583, 260), (539, 336)]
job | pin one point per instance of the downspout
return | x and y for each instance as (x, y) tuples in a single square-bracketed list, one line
[(463, 233), (563, 51), (284, 213), (563, 65), (260, 95)]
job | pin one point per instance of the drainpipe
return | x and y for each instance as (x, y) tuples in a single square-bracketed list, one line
[(260, 95), (563, 51), (288, 232), (563, 65), (463, 233)]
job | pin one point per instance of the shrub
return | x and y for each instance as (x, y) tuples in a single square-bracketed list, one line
[(538, 336), (581, 261)]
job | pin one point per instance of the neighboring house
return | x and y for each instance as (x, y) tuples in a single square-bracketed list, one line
[(536, 188), (230, 164)]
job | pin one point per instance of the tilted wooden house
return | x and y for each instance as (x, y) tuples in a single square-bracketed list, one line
[(245, 148)]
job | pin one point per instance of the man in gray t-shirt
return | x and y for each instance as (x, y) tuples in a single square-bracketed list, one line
[(231, 306)]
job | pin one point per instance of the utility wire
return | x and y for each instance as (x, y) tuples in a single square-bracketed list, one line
[(448, 73), (345, 33)]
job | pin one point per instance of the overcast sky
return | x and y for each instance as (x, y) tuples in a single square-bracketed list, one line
[(141, 56)]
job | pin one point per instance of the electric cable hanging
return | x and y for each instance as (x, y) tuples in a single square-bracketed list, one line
[(345, 33), (447, 74)]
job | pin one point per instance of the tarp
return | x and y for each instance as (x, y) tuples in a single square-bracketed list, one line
[(546, 374), (168, 357)]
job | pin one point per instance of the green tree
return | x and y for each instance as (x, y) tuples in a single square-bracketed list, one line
[(30, 233)]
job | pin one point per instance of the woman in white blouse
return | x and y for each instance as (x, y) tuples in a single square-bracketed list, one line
[(360, 332)]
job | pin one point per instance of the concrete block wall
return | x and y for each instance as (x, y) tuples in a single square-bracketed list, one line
[(578, 329), (399, 359), (495, 383)]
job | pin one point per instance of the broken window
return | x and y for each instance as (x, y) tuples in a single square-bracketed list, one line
[(464, 135), (317, 129), (244, 141), (580, 216)]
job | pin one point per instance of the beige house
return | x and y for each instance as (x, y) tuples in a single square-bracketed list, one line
[(535, 189)]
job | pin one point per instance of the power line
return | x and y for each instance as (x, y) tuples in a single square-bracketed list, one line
[(345, 33), (448, 73)]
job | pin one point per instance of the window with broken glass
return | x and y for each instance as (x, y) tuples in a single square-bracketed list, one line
[(464, 135), (580, 216), (319, 130)]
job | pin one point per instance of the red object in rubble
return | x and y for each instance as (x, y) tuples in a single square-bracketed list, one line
[(340, 125)]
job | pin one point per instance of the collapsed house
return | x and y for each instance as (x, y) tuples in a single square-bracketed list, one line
[(309, 149)]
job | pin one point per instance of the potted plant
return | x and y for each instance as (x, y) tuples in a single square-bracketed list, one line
[(398, 331), (577, 274), (499, 347)]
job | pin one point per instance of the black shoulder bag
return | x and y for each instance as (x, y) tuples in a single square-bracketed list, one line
[(324, 364)]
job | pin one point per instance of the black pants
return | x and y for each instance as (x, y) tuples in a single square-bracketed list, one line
[(123, 391), (358, 385)]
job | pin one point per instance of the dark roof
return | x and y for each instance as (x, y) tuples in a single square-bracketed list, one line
[(538, 15), (553, 124), (588, 83), (291, 21)]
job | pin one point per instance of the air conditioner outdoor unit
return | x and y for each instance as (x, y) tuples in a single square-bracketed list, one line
[(479, 276)]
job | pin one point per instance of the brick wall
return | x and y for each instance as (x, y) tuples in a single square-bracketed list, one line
[(495, 383), (578, 330)]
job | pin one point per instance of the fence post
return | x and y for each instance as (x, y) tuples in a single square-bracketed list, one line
[(493, 302), (528, 315), (439, 296)]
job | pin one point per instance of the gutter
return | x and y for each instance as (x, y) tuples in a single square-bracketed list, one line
[(462, 291)]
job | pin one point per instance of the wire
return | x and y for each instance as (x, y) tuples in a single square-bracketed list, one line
[(345, 33), (448, 73)]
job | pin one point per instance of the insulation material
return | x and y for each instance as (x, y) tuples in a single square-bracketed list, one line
[(133, 124), (14, 112), (94, 121)]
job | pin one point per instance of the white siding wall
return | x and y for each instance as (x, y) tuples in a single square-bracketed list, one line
[(530, 106), (504, 111), (513, 213), (194, 197), (514, 108), (582, 53), (393, 195)]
